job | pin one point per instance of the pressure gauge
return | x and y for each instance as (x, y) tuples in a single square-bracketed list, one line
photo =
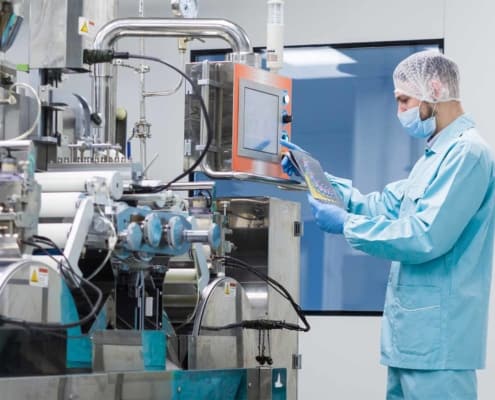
[(185, 8)]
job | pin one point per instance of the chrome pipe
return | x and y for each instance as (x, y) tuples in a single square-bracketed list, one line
[(177, 186), (172, 27), (104, 87), (281, 183)]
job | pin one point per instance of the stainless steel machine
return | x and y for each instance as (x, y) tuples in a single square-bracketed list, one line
[(116, 286)]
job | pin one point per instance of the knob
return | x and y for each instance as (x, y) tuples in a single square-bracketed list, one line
[(152, 228), (286, 118), (175, 232), (132, 236)]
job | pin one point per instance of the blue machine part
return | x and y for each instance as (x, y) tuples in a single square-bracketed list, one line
[(221, 384), (279, 384), (172, 243), (79, 349), (215, 236), (133, 237), (175, 232), (154, 350), (153, 230)]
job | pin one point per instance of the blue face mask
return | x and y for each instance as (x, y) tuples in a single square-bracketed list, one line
[(414, 126)]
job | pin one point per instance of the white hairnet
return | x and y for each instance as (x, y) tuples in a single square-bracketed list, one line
[(427, 76)]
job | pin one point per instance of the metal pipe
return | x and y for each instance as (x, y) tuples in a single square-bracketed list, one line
[(198, 185), (168, 27), (177, 186), (104, 86), (282, 183)]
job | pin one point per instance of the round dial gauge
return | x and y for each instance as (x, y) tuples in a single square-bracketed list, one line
[(185, 8)]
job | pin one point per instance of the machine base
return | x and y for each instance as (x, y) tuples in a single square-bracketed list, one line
[(232, 384)]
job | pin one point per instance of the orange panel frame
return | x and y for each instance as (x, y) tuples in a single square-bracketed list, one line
[(246, 164)]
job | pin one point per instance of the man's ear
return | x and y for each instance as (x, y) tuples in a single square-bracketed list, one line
[(437, 89)]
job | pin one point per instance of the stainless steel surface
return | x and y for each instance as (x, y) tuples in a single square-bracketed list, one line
[(117, 350), (54, 34), (19, 193), (100, 13), (166, 385), (56, 40), (104, 88), (263, 232), (216, 80), (222, 302), (9, 247), (25, 297), (259, 384), (283, 266)]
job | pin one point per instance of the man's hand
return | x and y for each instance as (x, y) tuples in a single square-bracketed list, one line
[(328, 217), (286, 164)]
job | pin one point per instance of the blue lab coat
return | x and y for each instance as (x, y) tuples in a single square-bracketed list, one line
[(437, 227)]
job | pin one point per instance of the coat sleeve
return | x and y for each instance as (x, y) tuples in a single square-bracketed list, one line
[(437, 218), (386, 203)]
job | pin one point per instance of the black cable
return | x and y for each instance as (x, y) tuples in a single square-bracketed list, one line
[(74, 276), (63, 271), (258, 324), (278, 288), (57, 326), (263, 324), (235, 262), (209, 127)]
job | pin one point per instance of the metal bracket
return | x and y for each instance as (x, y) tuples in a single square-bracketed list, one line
[(211, 82), (296, 361), (298, 230)]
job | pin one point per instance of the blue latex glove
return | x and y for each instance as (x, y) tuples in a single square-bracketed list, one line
[(328, 217), (286, 164)]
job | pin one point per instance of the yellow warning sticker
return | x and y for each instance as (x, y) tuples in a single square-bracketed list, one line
[(34, 275), (38, 276), (86, 27), (229, 288)]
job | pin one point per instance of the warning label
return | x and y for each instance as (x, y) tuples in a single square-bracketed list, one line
[(38, 276), (230, 288), (86, 27)]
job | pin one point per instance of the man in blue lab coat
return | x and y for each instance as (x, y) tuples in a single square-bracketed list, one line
[(437, 227)]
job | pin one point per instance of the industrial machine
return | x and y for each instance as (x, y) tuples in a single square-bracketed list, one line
[(113, 285)]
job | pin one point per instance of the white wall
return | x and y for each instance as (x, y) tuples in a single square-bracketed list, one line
[(340, 354), (469, 30)]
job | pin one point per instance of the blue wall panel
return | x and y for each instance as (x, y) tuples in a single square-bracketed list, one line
[(348, 121)]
